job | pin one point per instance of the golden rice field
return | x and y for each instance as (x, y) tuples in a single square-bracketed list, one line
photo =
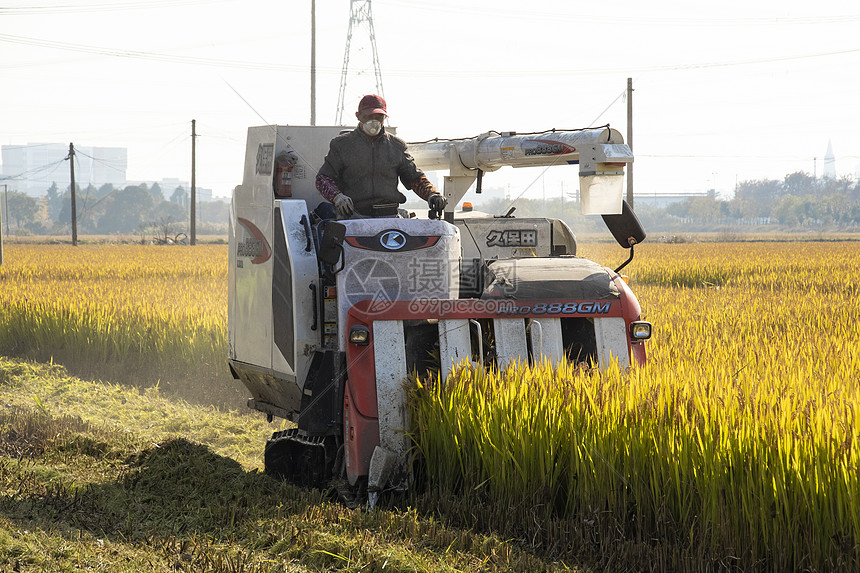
[(154, 314), (736, 448)]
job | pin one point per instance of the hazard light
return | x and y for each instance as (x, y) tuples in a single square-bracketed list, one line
[(640, 330)]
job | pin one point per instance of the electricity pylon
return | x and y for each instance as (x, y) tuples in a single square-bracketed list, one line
[(363, 55)]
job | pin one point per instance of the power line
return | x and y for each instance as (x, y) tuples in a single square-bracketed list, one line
[(105, 162), (99, 7), (533, 14), (28, 146), (531, 72), (143, 55), (411, 72), (35, 171)]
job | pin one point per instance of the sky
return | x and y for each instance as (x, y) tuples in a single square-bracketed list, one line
[(723, 91)]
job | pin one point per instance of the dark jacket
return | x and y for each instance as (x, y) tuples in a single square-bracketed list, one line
[(367, 170)]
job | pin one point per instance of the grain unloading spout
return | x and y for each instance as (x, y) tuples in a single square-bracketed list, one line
[(600, 153)]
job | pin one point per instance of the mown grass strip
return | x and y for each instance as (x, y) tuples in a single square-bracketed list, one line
[(111, 485)]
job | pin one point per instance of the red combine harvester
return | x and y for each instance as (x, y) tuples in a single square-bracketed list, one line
[(327, 318)]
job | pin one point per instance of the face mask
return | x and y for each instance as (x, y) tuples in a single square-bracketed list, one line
[(372, 127)]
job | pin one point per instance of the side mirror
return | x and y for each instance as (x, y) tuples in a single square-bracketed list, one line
[(625, 227), (331, 244)]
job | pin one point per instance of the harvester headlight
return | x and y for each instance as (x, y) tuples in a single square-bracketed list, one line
[(640, 330), (360, 335)]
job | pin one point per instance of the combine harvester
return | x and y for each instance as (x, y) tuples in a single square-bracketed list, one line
[(328, 318)]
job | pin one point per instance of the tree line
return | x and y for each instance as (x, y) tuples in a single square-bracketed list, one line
[(798, 202), (106, 210)]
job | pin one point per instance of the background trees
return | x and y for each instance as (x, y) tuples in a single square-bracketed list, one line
[(22, 210), (797, 202), (136, 209)]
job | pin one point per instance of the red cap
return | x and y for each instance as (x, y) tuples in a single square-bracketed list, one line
[(371, 104)]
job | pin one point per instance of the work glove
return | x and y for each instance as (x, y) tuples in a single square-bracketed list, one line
[(344, 205), (436, 202)]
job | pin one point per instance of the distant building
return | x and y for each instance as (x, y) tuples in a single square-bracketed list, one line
[(829, 163), (34, 167)]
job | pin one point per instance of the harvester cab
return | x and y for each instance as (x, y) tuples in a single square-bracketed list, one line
[(328, 318)]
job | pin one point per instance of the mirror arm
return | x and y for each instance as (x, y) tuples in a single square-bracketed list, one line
[(625, 263)]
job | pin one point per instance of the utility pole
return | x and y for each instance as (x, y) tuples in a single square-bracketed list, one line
[(630, 140), (193, 182), (313, 62), (72, 187)]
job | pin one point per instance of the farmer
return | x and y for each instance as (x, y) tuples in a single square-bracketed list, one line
[(360, 173)]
